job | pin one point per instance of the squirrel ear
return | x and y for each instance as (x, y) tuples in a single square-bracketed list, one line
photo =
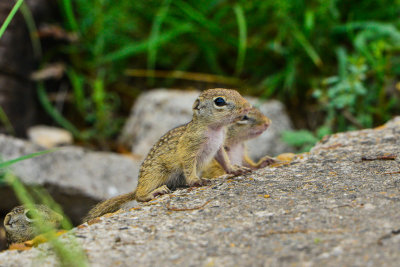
[(196, 104)]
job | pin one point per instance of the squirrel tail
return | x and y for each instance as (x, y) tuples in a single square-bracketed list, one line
[(109, 206)]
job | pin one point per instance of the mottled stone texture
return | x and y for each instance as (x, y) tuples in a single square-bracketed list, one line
[(336, 206)]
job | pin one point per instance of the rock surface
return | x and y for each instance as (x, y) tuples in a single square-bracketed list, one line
[(158, 111), (76, 178), (336, 206), (49, 137)]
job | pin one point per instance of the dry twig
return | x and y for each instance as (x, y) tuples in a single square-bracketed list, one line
[(301, 231), (187, 209)]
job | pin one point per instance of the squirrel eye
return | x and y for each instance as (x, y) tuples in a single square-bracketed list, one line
[(29, 215), (219, 101), (245, 118)]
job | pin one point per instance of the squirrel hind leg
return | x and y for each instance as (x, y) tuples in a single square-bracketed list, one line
[(162, 190)]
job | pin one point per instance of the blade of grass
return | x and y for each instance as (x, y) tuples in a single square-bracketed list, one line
[(271, 83), (10, 17), (142, 46), (211, 56), (19, 189), (13, 161), (44, 197), (154, 34), (302, 40), (68, 254), (183, 65), (342, 62), (30, 22), (55, 114), (198, 17), (99, 99), (77, 83), (242, 40), (380, 27), (7, 124), (289, 76), (309, 20), (69, 15)]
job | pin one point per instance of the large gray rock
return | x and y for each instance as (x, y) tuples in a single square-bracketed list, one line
[(77, 178), (158, 111), (336, 206)]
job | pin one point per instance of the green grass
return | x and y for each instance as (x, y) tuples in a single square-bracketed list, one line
[(10, 16), (54, 113), (318, 57), (8, 163), (242, 39)]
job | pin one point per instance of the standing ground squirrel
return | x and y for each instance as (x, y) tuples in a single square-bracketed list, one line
[(251, 126), (19, 222), (180, 156)]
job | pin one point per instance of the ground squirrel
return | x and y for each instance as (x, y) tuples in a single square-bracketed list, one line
[(19, 222), (251, 126), (179, 157)]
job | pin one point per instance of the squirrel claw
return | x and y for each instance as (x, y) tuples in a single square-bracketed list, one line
[(266, 161), (161, 191), (239, 170)]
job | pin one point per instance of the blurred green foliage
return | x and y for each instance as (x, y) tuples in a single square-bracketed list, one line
[(304, 140), (68, 254), (334, 63)]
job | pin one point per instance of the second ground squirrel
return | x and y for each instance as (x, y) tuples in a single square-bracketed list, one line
[(251, 126), (19, 222), (180, 156)]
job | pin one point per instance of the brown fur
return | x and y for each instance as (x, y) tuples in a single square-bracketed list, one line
[(179, 157)]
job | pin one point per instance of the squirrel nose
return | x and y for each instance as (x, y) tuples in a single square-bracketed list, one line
[(267, 122)]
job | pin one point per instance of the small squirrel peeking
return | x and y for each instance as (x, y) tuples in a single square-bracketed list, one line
[(250, 126), (19, 222)]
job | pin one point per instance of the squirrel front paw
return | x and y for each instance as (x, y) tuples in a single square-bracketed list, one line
[(238, 170), (162, 190)]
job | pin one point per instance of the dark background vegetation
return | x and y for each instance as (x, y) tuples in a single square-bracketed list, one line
[(335, 64)]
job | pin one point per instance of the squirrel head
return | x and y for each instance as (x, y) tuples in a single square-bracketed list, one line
[(250, 126), (19, 222), (219, 107)]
